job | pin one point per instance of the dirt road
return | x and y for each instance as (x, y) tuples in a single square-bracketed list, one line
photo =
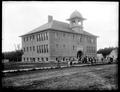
[(89, 77)]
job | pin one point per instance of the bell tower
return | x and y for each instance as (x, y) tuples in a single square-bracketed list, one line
[(76, 22)]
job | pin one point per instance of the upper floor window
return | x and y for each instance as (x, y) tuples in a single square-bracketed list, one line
[(56, 34), (33, 48), (63, 34), (39, 37), (30, 38), (47, 48), (30, 49), (24, 49), (27, 49), (73, 36), (73, 47), (33, 37), (46, 36), (26, 38), (37, 49), (41, 48), (57, 45), (63, 45)]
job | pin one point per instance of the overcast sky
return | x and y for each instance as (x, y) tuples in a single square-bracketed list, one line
[(21, 17)]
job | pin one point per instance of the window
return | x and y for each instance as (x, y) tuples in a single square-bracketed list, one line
[(57, 45), (73, 36), (30, 38), (63, 34), (63, 45), (42, 48), (26, 38), (24, 49), (56, 34), (37, 49), (38, 59), (30, 49), (46, 59), (42, 59), (33, 48), (73, 47), (33, 37), (24, 59), (46, 36), (41, 37), (27, 59), (47, 48), (37, 37), (27, 49)]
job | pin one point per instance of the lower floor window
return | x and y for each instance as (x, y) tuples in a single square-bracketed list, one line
[(46, 59), (24, 59)]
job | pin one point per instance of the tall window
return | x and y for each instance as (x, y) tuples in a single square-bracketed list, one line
[(56, 34), (26, 38), (33, 48), (39, 37), (24, 49), (27, 49), (46, 36), (47, 48), (57, 45), (63, 34), (44, 48), (73, 47), (30, 49), (63, 45), (33, 37), (37, 49), (73, 36)]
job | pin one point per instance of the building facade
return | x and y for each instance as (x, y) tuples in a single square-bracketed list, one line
[(57, 39)]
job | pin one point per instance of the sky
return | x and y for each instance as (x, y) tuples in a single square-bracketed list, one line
[(20, 17)]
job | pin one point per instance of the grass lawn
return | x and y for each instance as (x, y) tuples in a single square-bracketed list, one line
[(102, 77)]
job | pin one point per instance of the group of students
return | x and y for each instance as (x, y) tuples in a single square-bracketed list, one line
[(89, 60)]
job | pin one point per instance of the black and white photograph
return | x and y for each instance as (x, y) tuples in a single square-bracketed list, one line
[(60, 45)]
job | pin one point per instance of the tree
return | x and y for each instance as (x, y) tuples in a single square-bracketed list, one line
[(13, 55), (105, 51)]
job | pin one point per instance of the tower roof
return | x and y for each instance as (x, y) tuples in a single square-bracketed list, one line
[(75, 14)]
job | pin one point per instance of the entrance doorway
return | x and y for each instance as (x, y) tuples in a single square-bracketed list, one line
[(79, 55)]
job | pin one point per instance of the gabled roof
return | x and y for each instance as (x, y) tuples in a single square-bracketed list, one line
[(58, 26)]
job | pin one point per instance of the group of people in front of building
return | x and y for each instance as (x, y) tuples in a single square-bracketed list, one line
[(89, 60)]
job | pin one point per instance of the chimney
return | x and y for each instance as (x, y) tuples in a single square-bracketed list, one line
[(50, 18)]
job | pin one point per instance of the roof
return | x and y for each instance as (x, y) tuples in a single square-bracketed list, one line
[(58, 26), (75, 14)]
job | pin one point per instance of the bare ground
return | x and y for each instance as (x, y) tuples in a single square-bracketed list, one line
[(103, 77)]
